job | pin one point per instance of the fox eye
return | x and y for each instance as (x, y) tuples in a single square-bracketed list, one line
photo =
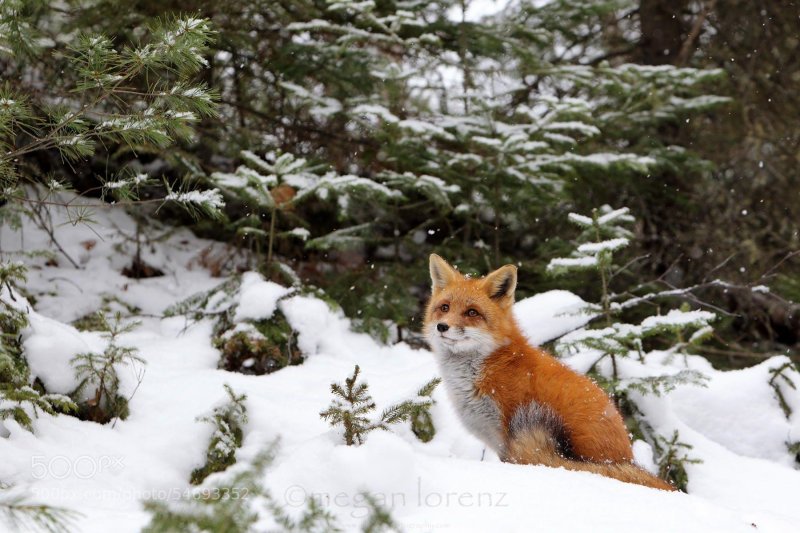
[(445, 308), (472, 312)]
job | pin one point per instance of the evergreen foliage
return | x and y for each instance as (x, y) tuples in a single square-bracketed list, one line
[(109, 305), (19, 514), (238, 502), (141, 96), (421, 419), (672, 457), (602, 235), (364, 134), (225, 507), (373, 132), (98, 391), (228, 420), (352, 405), (336, 143), (22, 402), (216, 304), (20, 399), (778, 379), (259, 347)]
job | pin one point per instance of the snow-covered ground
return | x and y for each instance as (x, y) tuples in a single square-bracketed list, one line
[(746, 482)]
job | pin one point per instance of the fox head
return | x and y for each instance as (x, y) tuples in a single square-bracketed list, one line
[(469, 315)]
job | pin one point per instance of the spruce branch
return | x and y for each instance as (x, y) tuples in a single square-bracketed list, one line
[(777, 377), (106, 107), (673, 457), (353, 404), (21, 515), (228, 420), (238, 501), (97, 373)]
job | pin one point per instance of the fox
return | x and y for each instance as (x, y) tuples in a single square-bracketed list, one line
[(523, 403)]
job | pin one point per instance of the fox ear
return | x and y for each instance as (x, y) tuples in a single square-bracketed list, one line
[(441, 272), (501, 283)]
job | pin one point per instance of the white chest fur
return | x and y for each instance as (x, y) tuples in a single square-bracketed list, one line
[(478, 412)]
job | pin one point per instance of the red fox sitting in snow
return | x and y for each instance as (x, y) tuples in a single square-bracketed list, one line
[(520, 401)]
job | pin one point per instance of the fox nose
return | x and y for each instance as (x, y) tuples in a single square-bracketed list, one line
[(441, 326)]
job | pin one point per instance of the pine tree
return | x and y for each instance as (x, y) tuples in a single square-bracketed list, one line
[(141, 96), (97, 374), (250, 345), (672, 458), (350, 407), (352, 404), (602, 235), (421, 418)]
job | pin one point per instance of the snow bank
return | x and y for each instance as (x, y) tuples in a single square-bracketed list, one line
[(49, 347), (258, 297), (551, 314)]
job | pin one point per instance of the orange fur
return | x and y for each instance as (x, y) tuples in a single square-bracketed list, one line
[(536, 447), (515, 374)]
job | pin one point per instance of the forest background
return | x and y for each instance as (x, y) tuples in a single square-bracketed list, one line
[(341, 142)]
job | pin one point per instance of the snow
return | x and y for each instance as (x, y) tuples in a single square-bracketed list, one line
[(49, 346), (677, 317), (439, 184), (747, 479), (582, 127), (377, 110), (300, 233), (603, 246), (422, 128), (621, 214), (559, 138), (258, 298), (344, 184), (581, 220), (211, 198), (572, 262), (550, 315), (736, 399), (477, 9)]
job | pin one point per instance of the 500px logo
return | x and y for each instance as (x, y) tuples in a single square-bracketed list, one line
[(80, 467)]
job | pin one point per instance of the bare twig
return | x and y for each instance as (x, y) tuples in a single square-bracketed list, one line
[(624, 267), (719, 266), (697, 27), (777, 265), (44, 225)]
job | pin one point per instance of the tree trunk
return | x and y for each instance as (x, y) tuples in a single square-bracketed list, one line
[(663, 30)]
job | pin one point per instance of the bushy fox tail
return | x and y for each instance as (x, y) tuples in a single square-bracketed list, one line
[(538, 437), (537, 446)]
